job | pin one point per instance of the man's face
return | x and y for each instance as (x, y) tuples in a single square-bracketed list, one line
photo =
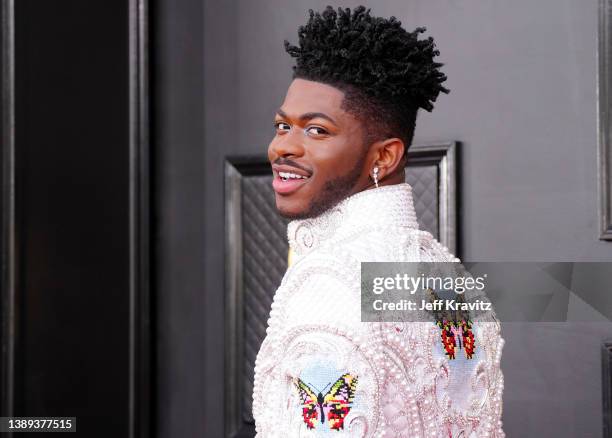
[(320, 143)]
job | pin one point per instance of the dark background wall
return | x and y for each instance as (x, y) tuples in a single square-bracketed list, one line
[(189, 391), (72, 154), (75, 264)]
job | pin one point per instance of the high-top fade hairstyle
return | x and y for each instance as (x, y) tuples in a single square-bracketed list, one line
[(385, 72)]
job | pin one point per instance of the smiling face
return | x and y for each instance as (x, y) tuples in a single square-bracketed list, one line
[(318, 155)]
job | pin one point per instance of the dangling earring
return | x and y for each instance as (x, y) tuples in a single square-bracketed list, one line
[(375, 176)]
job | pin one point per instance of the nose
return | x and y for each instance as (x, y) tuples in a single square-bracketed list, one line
[(287, 145)]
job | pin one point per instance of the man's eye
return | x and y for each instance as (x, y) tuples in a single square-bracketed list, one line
[(281, 126), (316, 130)]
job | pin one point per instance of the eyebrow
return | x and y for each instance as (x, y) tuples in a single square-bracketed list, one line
[(308, 116)]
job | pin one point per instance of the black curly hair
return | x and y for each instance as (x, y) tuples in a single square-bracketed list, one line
[(385, 72)]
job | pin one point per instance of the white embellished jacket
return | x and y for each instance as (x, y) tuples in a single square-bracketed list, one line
[(322, 372)]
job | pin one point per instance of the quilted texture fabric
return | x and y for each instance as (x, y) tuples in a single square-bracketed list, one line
[(264, 263), (424, 183), (401, 382)]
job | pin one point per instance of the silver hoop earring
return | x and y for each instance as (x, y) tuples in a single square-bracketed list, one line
[(375, 176)]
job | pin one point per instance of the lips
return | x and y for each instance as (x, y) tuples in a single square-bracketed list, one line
[(288, 179)]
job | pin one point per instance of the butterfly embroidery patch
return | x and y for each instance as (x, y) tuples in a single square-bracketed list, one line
[(456, 328), (333, 406)]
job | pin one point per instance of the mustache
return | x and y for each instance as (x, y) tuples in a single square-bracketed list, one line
[(289, 162)]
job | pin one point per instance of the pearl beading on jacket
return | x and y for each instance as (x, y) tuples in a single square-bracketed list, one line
[(408, 389)]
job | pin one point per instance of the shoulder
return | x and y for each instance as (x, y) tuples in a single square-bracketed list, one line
[(319, 288), (394, 244), (431, 250), (336, 264)]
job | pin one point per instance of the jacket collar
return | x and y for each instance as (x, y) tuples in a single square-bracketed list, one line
[(385, 206)]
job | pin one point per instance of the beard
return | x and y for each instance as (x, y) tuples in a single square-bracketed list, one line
[(333, 191)]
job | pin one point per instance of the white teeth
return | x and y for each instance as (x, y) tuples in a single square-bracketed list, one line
[(288, 175)]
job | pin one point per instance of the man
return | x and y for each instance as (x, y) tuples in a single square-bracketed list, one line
[(338, 159)]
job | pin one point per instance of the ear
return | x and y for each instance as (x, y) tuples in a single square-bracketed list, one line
[(388, 155)]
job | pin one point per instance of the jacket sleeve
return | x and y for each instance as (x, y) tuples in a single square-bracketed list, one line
[(472, 383), (315, 371)]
